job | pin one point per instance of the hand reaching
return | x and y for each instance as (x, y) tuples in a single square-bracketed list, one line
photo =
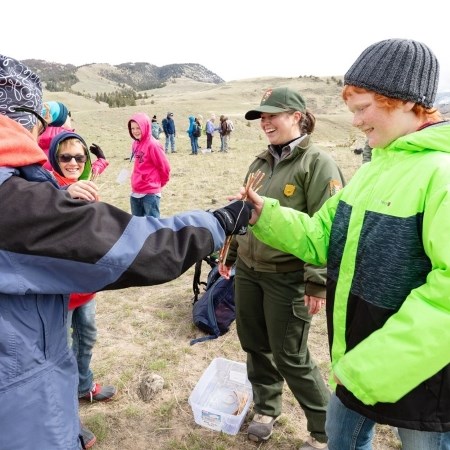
[(224, 270), (97, 151), (234, 217), (256, 201)]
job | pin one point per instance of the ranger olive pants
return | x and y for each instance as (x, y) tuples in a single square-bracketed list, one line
[(273, 324)]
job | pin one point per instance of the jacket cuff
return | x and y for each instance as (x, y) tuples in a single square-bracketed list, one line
[(315, 290)]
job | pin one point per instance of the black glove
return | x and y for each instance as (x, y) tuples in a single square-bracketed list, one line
[(97, 151), (234, 217)]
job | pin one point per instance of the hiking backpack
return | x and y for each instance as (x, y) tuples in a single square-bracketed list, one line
[(214, 310), (230, 126), (197, 131)]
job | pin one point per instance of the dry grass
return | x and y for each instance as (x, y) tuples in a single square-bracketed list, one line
[(147, 330)]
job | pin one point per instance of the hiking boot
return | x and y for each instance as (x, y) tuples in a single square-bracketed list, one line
[(260, 428), (87, 437), (100, 393), (313, 444)]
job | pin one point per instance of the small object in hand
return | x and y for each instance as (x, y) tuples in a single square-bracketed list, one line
[(254, 182)]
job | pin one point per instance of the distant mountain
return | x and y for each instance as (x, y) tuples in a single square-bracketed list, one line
[(136, 76), (443, 102)]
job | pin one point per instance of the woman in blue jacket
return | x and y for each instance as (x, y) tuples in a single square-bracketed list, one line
[(52, 245)]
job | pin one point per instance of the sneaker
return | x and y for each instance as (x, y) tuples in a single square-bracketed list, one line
[(100, 393), (260, 428), (313, 444), (87, 437)]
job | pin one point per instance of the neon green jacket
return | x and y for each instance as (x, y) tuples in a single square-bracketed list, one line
[(385, 239)]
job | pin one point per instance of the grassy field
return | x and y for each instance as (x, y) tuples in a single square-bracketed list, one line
[(144, 331)]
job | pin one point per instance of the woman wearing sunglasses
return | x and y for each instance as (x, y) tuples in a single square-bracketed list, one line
[(58, 119), (71, 166)]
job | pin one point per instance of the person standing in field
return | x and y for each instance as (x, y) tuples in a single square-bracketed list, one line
[(210, 129), (151, 168), (156, 128), (72, 168), (225, 133), (193, 136), (276, 293), (385, 240), (169, 129)]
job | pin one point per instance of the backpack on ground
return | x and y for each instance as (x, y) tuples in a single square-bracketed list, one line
[(214, 310), (197, 132), (230, 126)]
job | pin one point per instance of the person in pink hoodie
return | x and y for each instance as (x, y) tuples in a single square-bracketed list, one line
[(151, 169)]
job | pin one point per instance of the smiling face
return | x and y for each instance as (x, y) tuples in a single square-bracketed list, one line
[(135, 130), (380, 124), (282, 127), (72, 157)]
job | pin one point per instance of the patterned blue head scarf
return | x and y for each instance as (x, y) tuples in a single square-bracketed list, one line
[(19, 86)]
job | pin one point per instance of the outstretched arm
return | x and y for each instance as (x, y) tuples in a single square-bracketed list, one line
[(66, 245)]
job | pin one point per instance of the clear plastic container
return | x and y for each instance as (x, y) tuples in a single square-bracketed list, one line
[(222, 397)]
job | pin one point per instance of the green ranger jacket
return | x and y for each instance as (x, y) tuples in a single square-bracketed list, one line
[(303, 180), (385, 239)]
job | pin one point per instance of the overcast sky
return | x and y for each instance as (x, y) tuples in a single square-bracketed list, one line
[(235, 39)]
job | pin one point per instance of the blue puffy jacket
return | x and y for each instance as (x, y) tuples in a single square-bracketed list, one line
[(51, 246)]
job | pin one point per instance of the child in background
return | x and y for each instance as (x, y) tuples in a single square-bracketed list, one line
[(151, 168), (156, 128)]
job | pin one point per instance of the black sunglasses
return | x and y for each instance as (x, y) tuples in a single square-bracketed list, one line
[(65, 158), (31, 111)]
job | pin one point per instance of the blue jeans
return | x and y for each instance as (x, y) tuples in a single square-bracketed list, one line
[(194, 144), (145, 206), (170, 139), (82, 339), (349, 430)]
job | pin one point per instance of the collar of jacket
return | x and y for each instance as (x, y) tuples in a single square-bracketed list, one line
[(301, 143)]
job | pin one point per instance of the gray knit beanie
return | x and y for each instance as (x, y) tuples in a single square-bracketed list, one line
[(397, 68)]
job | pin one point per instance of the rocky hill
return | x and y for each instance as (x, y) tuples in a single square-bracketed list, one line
[(135, 76)]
